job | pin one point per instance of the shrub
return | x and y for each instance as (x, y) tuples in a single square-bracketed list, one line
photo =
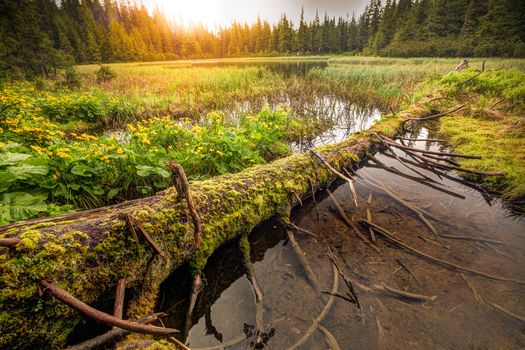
[(104, 74)]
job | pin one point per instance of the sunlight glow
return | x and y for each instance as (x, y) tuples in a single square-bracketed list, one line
[(189, 11)]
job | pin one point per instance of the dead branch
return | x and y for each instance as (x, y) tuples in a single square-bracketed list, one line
[(310, 276), (100, 316), (338, 174), (322, 315), (148, 238), (465, 170), (120, 294), (354, 299), (403, 265), (129, 222), (183, 188), (403, 294), (478, 297), (369, 218), (330, 339), (475, 76), (9, 242), (433, 116), (385, 233), (419, 150), (349, 222), (507, 312), (112, 336), (419, 212)]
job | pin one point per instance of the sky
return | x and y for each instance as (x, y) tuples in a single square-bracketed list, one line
[(214, 13)]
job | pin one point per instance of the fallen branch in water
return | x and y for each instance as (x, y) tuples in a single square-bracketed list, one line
[(113, 335), (385, 233), (349, 222), (419, 150), (330, 339), (406, 268), (322, 315), (419, 212), (338, 174), (403, 294), (310, 276), (473, 289), (100, 316)]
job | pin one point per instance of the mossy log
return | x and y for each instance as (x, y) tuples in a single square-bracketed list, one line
[(87, 253)]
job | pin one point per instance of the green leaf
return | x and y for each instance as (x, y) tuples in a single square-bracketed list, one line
[(9, 158), (27, 171), (144, 170), (81, 170), (17, 206)]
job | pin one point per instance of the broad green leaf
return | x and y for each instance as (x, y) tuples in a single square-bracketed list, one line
[(81, 170), (17, 206), (9, 158), (145, 170), (26, 171)]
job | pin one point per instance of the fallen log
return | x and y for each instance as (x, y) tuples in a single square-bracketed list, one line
[(87, 253)]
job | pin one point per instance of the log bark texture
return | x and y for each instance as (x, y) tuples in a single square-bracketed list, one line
[(87, 253)]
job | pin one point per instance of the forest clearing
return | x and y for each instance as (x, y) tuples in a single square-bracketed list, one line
[(315, 199)]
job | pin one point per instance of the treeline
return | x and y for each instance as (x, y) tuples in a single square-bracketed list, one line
[(39, 36)]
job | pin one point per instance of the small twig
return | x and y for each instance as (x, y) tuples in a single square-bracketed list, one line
[(465, 170), (337, 173), (497, 103), (148, 238), (349, 222), (129, 222), (303, 230), (407, 270), (346, 279), (332, 342), (385, 233), (118, 309), (183, 188), (403, 294), (310, 276), (103, 317), (9, 242), (369, 218), (175, 340), (321, 316), (9, 106), (475, 76), (478, 297)]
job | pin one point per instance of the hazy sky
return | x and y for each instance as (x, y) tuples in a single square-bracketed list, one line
[(223, 12)]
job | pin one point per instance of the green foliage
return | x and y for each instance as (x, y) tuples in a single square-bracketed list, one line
[(44, 170), (72, 79), (105, 74)]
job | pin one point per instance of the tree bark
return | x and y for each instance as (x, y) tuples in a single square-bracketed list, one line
[(87, 253)]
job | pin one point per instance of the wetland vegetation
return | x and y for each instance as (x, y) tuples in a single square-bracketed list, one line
[(237, 199)]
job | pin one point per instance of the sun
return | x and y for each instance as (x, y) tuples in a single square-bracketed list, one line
[(192, 11)]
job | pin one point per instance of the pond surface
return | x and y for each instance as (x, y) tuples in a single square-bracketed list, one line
[(469, 311)]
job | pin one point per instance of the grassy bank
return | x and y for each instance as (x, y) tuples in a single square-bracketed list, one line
[(492, 125)]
